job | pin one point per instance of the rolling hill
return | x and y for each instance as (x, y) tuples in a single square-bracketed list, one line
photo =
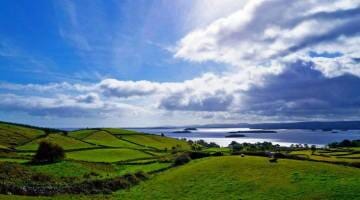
[(235, 177), (100, 161)]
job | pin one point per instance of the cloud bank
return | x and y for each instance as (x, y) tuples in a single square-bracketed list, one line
[(289, 60)]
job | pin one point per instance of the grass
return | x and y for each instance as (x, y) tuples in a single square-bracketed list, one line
[(67, 143), (12, 135), (103, 170), (118, 131), (250, 178), (83, 133), (63, 169), (118, 152), (107, 155), (123, 169), (156, 141), (106, 139), (329, 156), (16, 160), (212, 150)]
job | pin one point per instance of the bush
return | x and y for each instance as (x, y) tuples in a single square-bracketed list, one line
[(198, 154), (182, 159), (48, 153), (218, 153)]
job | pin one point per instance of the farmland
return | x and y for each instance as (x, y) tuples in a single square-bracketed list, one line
[(121, 164)]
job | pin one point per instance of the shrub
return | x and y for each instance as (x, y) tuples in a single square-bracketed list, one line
[(48, 153), (313, 149), (218, 153), (142, 175), (39, 177), (198, 154), (182, 159)]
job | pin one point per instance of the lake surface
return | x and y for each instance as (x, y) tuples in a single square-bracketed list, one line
[(283, 137)]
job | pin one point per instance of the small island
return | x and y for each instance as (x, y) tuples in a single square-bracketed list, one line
[(235, 136), (190, 129), (254, 131), (183, 131)]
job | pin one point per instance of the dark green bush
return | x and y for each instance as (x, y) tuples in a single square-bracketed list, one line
[(198, 154), (218, 153), (182, 159), (48, 153)]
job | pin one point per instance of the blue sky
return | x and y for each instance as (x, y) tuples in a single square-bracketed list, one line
[(90, 40), (155, 62)]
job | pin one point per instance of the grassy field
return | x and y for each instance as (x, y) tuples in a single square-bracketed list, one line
[(16, 160), (156, 141), (107, 155), (118, 131), (100, 170), (250, 178), (83, 133), (66, 142), (335, 155), (12, 135), (212, 150), (106, 139)]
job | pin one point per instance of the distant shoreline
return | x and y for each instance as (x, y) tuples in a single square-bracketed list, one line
[(254, 131)]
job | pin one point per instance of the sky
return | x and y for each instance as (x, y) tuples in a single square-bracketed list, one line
[(137, 63)]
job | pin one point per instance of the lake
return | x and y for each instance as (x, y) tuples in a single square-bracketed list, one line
[(282, 137)]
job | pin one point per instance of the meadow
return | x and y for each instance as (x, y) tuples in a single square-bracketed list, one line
[(235, 177), (114, 163)]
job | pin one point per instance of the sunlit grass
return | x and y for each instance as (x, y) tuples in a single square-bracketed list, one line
[(250, 178), (107, 155), (66, 142)]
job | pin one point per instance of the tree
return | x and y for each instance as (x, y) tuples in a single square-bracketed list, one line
[(48, 153), (182, 159), (313, 149)]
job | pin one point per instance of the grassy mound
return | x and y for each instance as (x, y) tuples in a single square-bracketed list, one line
[(336, 156), (156, 141), (118, 131), (67, 143), (107, 155), (95, 170), (12, 135), (106, 139), (83, 133), (250, 178)]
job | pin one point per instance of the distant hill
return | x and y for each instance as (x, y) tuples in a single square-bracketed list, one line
[(315, 125), (14, 134)]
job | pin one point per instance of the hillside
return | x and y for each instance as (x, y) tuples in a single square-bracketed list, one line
[(123, 164), (12, 135), (250, 178), (311, 125)]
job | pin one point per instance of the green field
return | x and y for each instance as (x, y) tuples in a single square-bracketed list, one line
[(16, 160), (338, 155), (83, 133), (66, 142), (250, 178), (106, 139), (102, 170), (118, 131), (107, 155), (12, 135), (156, 141)]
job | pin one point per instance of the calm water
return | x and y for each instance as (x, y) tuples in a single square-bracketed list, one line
[(282, 137)]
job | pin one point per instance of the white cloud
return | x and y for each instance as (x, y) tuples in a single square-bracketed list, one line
[(272, 75), (267, 31)]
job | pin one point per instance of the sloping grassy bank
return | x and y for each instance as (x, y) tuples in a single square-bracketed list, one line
[(235, 177)]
